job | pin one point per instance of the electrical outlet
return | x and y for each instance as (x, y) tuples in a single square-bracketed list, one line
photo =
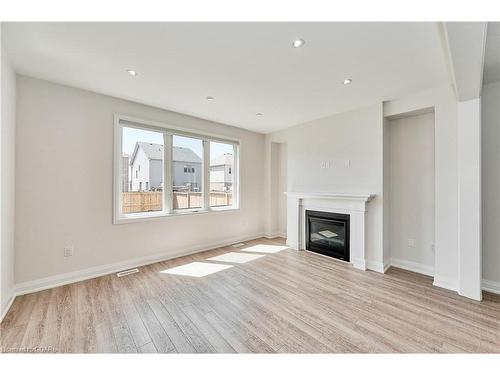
[(68, 251), (347, 163), (412, 242), (433, 248)]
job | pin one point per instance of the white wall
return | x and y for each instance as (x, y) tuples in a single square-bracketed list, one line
[(282, 188), (469, 195), (75, 127), (491, 185), (277, 164), (444, 102), (352, 142), (409, 162), (275, 174), (386, 202), (7, 184)]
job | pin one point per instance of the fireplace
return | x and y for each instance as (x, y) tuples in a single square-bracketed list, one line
[(328, 234)]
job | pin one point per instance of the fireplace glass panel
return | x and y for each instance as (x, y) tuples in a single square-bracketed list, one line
[(328, 234)]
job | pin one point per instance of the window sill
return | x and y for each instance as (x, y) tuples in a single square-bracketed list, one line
[(138, 218)]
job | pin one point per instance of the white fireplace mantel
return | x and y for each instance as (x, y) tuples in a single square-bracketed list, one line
[(342, 196), (354, 205)]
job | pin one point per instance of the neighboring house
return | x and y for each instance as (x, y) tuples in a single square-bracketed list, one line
[(126, 183), (147, 168), (186, 169), (221, 173)]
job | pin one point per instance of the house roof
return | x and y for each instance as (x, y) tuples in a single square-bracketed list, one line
[(225, 159), (185, 154), (152, 150), (155, 151)]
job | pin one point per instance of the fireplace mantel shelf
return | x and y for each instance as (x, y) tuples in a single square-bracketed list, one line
[(343, 196)]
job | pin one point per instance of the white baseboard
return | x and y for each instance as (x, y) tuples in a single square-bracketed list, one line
[(413, 266), (274, 235), (7, 306), (376, 266), (491, 286), (90, 273), (387, 266), (446, 283), (360, 264)]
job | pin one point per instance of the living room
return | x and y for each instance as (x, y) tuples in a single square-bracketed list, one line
[(250, 187)]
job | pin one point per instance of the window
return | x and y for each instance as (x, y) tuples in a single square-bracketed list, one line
[(186, 187), (221, 178), (199, 171), (143, 147)]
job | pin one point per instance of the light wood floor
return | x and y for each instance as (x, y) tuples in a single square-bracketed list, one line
[(285, 301)]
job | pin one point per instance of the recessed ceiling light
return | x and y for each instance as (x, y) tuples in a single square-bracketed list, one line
[(259, 114), (131, 72), (347, 81), (210, 98), (298, 43)]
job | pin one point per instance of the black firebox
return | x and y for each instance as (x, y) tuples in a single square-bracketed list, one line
[(328, 234)]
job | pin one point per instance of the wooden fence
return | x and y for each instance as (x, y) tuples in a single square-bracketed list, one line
[(220, 199), (141, 201), (152, 201)]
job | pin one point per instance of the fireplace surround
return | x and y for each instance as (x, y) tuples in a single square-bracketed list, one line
[(353, 205)]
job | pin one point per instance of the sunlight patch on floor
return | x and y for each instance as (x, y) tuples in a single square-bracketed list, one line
[(236, 257), (196, 269), (269, 249)]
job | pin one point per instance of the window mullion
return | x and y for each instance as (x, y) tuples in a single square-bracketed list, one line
[(167, 171), (206, 175), (118, 198), (236, 176)]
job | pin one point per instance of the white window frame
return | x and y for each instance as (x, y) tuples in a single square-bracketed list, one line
[(168, 131)]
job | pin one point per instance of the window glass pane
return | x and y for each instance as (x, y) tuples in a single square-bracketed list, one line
[(187, 158), (221, 174), (142, 170)]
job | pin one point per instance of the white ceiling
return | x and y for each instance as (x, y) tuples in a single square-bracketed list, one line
[(492, 53), (247, 67)]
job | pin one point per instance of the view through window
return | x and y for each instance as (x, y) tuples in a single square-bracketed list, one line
[(161, 171), (187, 172), (221, 174), (142, 170)]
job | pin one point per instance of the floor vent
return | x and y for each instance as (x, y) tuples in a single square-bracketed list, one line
[(239, 244), (127, 272)]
